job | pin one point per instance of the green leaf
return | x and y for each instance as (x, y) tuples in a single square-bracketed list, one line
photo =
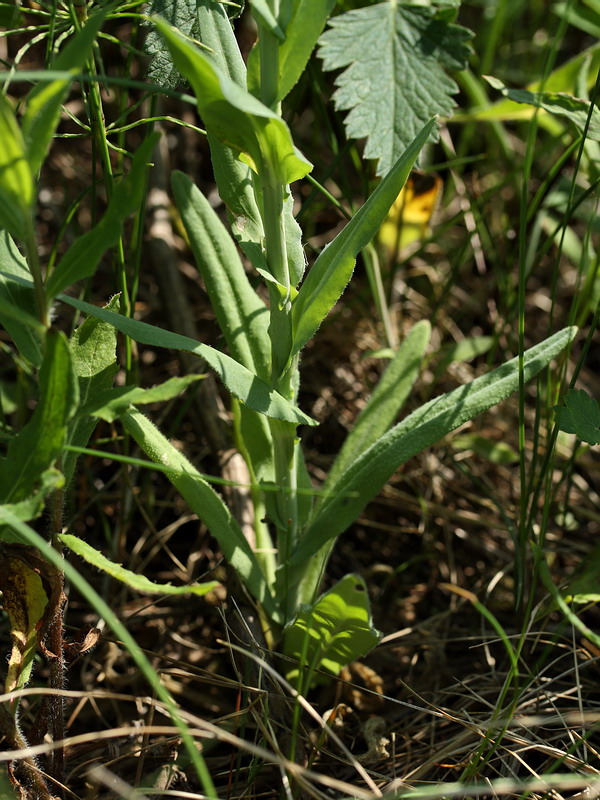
[(182, 15), (111, 404), (242, 383), (205, 502), (580, 415), (33, 505), (235, 117), (333, 268), (93, 349), (559, 103), (496, 452), (17, 194), (241, 314), (81, 259), (39, 444), (262, 12), (363, 479), (584, 587), (395, 56), (333, 631), (306, 22), (42, 112), (16, 297), (387, 399), (138, 582)]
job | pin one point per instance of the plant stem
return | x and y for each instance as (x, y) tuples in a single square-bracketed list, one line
[(33, 261)]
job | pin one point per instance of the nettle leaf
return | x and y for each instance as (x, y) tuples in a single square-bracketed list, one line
[(394, 58), (580, 415), (138, 582), (182, 14), (333, 631)]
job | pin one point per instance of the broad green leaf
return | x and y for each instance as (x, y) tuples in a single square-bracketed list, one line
[(205, 502), (42, 112), (111, 404), (387, 399), (138, 582), (355, 487), (333, 631), (242, 383), (580, 415), (561, 104), (333, 268), (17, 194), (15, 296), (93, 349), (33, 506), (40, 443), (81, 259), (306, 22), (235, 117), (241, 314), (182, 14), (394, 57)]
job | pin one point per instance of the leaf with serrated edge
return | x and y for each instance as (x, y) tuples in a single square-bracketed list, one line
[(394, 58), (138, 582)]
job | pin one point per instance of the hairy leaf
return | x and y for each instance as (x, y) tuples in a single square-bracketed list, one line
[(358, 484), (182, 14), (333, 268), (138, 582), (16, 179), (394, 58), (234, 116), (242, 383), (205, 502)]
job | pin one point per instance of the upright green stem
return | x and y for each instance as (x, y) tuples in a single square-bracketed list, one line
[(33, 260)]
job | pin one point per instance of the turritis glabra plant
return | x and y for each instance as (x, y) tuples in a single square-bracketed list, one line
[(281, 558)]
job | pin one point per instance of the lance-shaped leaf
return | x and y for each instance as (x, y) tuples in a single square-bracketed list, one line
[(17, 193), (235, 117), (241, 314), (333, 631), (81, 259), (205, 502), (16, 298), (111, 404), (387, 399), (40, 442), (363, 479), (138, 582), (395, 56), (242, 383), (305, 23), (333, 268), (42, 112), (575, 109)]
